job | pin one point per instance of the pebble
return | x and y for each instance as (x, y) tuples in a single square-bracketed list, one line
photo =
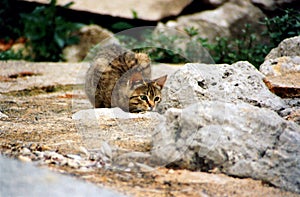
[(86, 162), (3, 115), (24, 158), (71, 156)]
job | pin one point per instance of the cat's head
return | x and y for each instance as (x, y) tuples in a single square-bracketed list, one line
[(145, 95)]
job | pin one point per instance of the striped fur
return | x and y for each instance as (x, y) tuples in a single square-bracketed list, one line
[(121, 78)]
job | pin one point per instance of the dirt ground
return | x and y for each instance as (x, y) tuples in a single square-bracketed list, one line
[(44, 118)]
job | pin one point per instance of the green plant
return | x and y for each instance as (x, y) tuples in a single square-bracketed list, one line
[(245, 48), (248, 47), (10, 25), (281, 27), (159, 47), (119, 26), (48, 33), (134, 14), (11, 55)]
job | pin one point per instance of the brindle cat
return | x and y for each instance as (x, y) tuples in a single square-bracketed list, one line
[(121, 78)]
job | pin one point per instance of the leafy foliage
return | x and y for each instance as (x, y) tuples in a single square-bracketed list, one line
[(48, 33), (159, 46), (165, 48), (8, 25), (11, 55), (281, 27)]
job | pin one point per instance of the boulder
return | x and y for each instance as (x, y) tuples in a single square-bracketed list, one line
[(288, 47), (215, 2), (237, 138), (24, 179), (147, 10), (282, 68), (89, 36), (224, 21), (240, 81), (272, 5)]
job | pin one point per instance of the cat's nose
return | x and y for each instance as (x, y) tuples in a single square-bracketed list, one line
[(151, 105)]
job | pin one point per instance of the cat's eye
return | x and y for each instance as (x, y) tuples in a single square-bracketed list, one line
[(144, 97), (156, 99)]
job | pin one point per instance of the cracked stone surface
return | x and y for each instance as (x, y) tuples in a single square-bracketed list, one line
[(238, 139)]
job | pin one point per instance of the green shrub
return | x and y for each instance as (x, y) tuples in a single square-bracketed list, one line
[(282, 27), (10, 27), (248, 48), (164, 47), (11, 55), (48, 33)]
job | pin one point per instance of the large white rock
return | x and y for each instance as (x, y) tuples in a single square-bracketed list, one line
[(23, 179), (147, 10), (288, 47), (240, 81), (282, 68), (238, 139), (224, 21), (273, 4)]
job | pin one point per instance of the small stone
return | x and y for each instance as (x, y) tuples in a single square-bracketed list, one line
[(84, 150), (3, 115), (39, 154), (25, 151), (75, 157), (72, 163), (24, 158)]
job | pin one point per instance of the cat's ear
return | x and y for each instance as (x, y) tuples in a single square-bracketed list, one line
[(161, 81), (135, 78)]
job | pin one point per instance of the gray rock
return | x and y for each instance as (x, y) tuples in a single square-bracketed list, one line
[(148, 10), (239, 139), (89, 36), (281, 65), (215, 2), (224, 21), (40, 75), (2, 115), (288, 47), (231, 83), (24, 179), (272, 4)]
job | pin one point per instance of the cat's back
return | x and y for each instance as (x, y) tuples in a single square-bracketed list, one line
[(110, 70), (109, 53)]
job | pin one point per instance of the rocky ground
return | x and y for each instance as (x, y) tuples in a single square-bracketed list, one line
[(36, 126)]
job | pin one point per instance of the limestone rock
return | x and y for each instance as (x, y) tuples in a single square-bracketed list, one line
[(288, 47), (238, 139), (281, 65), (282, 68), (21, 75), (89, 36), (215, 2), (273, 4), (224, 21), (231, 83), (20, 179), (147, 10)]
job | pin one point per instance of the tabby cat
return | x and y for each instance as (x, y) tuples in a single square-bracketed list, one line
[(119, 77)]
